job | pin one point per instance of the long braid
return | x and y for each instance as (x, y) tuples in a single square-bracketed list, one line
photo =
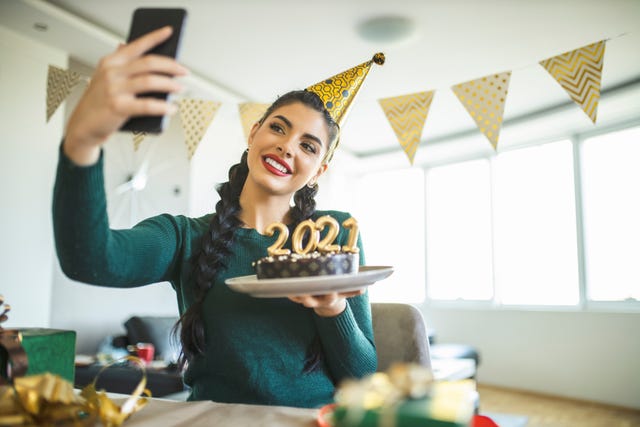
[(305, 203), (216, 245)]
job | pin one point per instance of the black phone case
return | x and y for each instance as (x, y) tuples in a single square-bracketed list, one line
[(144, 21)]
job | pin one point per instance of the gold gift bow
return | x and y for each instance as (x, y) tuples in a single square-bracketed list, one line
[(386, 391), (49, 399)]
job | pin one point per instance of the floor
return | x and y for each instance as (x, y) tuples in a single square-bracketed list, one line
[(551, 411)]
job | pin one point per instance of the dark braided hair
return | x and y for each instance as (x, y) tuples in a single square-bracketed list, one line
[(217, 244)]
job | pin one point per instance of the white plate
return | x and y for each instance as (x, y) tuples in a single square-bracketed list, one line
[(315, 285)]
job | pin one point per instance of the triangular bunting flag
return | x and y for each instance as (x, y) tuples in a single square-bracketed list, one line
[(484, 99), (407, 115), (196, 115), (138, 136), (250, 112), (60, 82), (579, 73)]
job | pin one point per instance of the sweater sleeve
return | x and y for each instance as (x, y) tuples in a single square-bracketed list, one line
[(347, 339), (89, 251)]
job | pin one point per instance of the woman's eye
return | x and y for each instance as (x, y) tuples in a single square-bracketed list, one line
[(309, 147), (276, 127)]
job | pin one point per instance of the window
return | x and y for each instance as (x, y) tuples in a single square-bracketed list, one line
[(536, 255), (611, 218), (504, 230), (458, 218), (524, 227), (390, 215)]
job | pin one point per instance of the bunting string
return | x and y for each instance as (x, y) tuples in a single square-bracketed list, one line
[(578, 72)]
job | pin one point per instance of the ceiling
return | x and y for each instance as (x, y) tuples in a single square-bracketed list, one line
[(254, 50)]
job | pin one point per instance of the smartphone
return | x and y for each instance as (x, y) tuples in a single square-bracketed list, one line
[(144, 21)]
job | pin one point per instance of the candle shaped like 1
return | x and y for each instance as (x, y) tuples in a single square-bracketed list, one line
[(352, 240)]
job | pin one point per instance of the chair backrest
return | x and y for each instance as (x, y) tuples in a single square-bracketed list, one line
[(400, 334)]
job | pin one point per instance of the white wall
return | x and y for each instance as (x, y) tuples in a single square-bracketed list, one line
[(27, 165), (585, 355)]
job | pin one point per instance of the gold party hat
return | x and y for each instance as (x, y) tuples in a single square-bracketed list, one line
[(339, 91)]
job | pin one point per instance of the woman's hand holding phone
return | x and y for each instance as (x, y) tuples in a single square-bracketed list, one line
[(110, 99)]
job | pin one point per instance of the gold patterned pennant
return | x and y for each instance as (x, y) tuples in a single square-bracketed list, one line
[(250, 112), (138, 136), (407, 115), (579, 73), (484, 99), (196, 115), (60, 82)]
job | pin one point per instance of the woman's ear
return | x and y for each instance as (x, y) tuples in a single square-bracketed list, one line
[(322, 169), (252, 132)]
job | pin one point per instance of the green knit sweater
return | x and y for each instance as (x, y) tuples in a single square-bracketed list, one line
[(256, 349)]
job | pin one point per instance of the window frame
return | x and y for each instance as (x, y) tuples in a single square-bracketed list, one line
[(584, 304)]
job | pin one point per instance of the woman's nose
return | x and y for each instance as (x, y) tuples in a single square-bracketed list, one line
[(285, 149)]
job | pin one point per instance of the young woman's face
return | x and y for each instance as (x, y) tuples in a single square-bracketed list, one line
[(286, 150)]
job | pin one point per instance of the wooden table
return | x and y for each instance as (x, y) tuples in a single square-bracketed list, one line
[(161, 412)]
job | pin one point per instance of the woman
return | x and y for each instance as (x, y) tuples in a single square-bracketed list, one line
[(237, 348)]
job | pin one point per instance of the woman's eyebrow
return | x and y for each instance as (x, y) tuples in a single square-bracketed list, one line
[(290, 125)]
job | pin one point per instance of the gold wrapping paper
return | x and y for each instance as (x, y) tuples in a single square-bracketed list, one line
[(48, 399)]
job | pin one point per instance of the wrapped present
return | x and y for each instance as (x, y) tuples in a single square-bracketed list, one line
[(48, 350), (404, 396), (36, 382)]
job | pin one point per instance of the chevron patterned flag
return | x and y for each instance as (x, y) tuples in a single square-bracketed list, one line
[(579, 73), (60, 82), (250, 112), (484, 99), (407, 115), (196, 115)]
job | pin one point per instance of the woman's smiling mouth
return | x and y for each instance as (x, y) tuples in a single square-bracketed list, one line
[(276, 166)]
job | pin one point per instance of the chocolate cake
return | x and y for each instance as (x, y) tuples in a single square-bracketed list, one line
[(312, 264)]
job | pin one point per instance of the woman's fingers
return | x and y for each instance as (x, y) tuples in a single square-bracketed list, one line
[(152, 83), (145, 43), (313, 301), (155, 64), (150, 107)]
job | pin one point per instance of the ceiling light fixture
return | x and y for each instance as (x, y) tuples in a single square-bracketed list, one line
[(387, 29)]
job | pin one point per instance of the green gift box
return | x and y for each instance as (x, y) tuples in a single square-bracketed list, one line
[(48, 350), (449, 405)]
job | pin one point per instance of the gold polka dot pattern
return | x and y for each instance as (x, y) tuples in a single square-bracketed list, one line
[(196, 115), (484, 99), (250, 113)]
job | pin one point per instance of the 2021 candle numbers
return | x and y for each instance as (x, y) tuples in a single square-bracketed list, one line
[(311, 230)]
